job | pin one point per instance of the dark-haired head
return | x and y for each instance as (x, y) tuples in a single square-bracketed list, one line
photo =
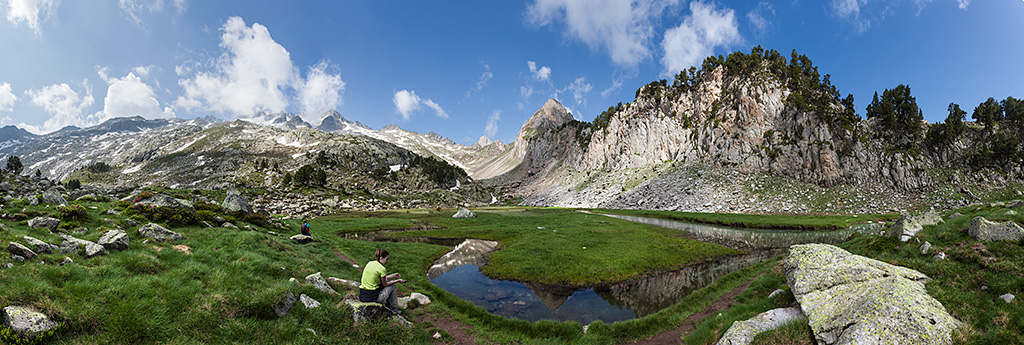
[(381, 253)]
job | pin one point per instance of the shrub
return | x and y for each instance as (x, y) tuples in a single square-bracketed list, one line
[(172, 216), (72, 212)]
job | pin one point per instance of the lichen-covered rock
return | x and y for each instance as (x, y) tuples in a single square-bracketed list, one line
[(27, 323), (318, 281), (18, 249), (114, 240), (1008, 297), (368, 311), (47, 223), (303, 239), (52, 197), (308, 302), (160, 200), (743, 332), (925, 248), (403, 302), (464, 213), (986, 230), (91, 248), (235, 202), (41, 247), (851, 299), (159, 233), (905, 228), (285, 304)]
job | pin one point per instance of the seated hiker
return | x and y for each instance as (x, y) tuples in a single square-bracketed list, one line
[(379, 286), (304, 229)]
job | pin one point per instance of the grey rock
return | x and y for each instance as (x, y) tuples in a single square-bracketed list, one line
[(940, 256), (1011, 213), (229, 225), (743, 332), (308, 302), (956, 215), (303, 239), (92, 249), (235, 202), (851, 299), (6, 186), (285, 304), (1016, 203), (10, 264), (130, 222), (369, 311), (161, 200), (985, 230), (349, 283), (905, 228), (159, 233), (67, 261), (41, 247), (48, 223), (18, 249), (17, 258), (69, 247), (776, 293), (317, 279), (1008, 297), (114, 240), (27, 323), (464, 213), (925, 248), (403, 302), (52, 197)]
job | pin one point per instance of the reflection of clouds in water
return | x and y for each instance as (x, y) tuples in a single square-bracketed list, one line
[(458, 273)]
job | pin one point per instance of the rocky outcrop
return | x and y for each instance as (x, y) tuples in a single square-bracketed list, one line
[(27, 323), (235, 202), (159, 233), (850, 299), (114, 240), (743, 332), (464, 213), (48, 223), (986, 230)]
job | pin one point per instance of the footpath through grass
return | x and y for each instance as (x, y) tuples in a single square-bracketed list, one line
[(759, 221)]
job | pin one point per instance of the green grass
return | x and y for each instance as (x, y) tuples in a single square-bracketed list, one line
[(758, 221), (752, 301)]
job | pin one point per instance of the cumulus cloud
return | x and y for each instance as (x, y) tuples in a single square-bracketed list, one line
[(542, 73), (492, 124), (7, 97), (760, 16), (963, 4), (579, 89), (128, 96), (623, 27), (30, 12), (698, 35), (320, 91), (61, 101), (407, 102)]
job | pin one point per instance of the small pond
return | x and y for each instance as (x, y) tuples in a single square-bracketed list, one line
[(748, 238), (458, 272)]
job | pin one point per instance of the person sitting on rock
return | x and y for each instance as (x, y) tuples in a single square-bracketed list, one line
[(304, 229), (379, 286)]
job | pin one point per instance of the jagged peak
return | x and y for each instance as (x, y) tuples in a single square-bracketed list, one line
[(483, 141), (552, 114)]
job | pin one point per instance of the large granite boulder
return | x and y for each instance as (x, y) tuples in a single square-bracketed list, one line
[(47, 223), (27, 323), (464, 213), (986, 230), (851, 299), (318, 281), (235, 202), (159, 233), (908, 226), (743, 332), (303, 239), (19, 249), (114, 240), (41, 247), (52, 197)]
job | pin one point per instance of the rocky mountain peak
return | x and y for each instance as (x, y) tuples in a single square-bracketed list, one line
[(551, 115), (483, 141), (332, 121)]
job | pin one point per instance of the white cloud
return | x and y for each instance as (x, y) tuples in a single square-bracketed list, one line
[(249, 76), (143, 71), (320, 91), (407, 102), (697, 37), (31, 12), (543, 73), (61, 101), (579, 89), (128, 96), (963, 4), (492, 124), (135, 8), (482, 81), (7, 97), (623, 27), (760, 16), (616, 84)]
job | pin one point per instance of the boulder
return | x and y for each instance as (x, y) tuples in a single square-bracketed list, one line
[(114, 240), (18, 249), (235, 202), (925, 248), (69, 247), (905, 228), (303, 239), (285, 304), (349, 283), (743, 332), (91, 248), (940, 256), (27, 323), (160, 200), (67, 261), (159, 233), (464, 213), (403, 302), (1008, 297), (851, 299), (229, 225), (41, 247), (44, 223), (308, 302), (52, 197), (368, 311), (318, 281), (986, 230), (1015, 204)]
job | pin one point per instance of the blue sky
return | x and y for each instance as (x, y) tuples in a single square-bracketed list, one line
[(470, 68)]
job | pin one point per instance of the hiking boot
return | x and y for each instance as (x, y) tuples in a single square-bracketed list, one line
[(393, 309)]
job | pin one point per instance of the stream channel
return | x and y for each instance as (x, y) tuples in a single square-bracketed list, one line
[(458, 272)]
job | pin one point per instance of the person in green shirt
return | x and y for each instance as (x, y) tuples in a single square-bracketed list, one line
[(379, 286)]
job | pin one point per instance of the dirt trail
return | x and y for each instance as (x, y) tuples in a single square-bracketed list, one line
[(454, 328)]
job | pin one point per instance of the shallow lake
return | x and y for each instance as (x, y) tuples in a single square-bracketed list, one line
[(744, 237)]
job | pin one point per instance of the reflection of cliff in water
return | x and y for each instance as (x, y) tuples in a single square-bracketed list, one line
[(552, 296), (744, 238), (469, 252)]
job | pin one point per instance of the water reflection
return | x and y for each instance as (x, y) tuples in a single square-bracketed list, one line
[(750, 238), (459, 273)]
